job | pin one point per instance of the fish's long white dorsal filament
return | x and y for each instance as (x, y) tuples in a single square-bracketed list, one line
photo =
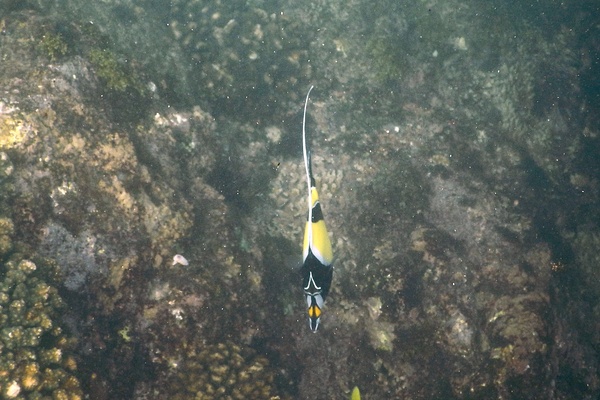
[(307, 167)]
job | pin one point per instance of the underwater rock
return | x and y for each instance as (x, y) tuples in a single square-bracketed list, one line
[(435, 156), (242, 55), (79, 258)]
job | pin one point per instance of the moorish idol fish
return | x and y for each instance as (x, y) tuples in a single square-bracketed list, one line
[(317, 266)]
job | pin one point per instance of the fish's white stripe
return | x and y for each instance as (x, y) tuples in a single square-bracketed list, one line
[(311, 279), (305, 151)]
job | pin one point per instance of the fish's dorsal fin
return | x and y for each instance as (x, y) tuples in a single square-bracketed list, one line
[(307, 164)]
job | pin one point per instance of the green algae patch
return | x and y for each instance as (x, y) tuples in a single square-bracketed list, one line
[(110, 71), (53, 46)]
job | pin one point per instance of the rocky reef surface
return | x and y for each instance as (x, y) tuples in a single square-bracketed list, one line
[(455, 147)]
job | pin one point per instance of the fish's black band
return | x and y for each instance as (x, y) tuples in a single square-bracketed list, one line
[(321, 274), (317, 214)]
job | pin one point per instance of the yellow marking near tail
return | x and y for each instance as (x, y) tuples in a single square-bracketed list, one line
[(314, 312)]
